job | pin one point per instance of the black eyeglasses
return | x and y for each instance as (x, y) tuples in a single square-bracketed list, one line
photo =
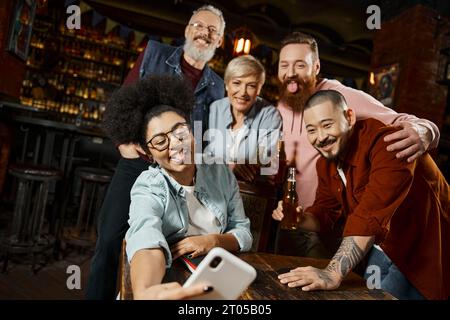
[(161, 141), (200, 27)]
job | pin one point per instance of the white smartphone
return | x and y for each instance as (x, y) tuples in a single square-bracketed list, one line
[(228, 275)]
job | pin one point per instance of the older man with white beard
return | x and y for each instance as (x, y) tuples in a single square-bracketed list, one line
[(204, 34), (298, 71)]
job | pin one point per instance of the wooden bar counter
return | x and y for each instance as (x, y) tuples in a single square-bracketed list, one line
[(267, 286)]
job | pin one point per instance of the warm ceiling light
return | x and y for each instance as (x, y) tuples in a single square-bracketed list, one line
[(247, 46), (242, 42), (372, 78), (239, 47)]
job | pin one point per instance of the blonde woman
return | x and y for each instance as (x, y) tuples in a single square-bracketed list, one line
[(243, 127)]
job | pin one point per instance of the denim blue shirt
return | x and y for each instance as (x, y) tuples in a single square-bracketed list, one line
[(159, 215), (162, 59), (262, 127)]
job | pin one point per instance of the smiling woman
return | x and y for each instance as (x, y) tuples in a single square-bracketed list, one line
[(243, 128), (177, 207)]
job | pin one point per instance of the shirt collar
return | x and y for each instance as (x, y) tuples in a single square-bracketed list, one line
[(174, 60), (199, 185), (351, 155), (173, 183), (248, 118)]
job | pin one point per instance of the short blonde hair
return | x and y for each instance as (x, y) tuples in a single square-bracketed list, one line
[(244, 66)]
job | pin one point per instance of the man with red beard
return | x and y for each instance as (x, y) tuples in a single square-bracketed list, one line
[(298, 71)]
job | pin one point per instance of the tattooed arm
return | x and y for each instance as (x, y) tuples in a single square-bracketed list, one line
[(349, 254)]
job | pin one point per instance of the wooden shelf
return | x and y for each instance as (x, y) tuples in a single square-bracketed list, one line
[(65, 36), (77, 77)]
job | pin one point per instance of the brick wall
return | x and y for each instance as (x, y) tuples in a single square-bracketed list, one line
[(12, 69), (410, 39)]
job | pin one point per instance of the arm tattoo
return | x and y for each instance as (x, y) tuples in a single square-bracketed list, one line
[(325, 276), (346, 258)]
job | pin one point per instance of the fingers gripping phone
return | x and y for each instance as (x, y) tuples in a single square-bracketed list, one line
[(228, 274)]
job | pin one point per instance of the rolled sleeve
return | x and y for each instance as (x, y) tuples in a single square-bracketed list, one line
[(148, 197), (365, 226), (366, 106), (433, 129), (238, 223)]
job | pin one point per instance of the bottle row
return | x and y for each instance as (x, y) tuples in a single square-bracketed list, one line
[(94, 35), (56, 86), (67, 106), (75, 68), (82, 49)]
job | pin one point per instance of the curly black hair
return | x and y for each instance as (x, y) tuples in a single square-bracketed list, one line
[(125, 119)]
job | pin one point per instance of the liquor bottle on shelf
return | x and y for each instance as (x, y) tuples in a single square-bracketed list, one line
[(130, 64), (291, 219), (101, 96), (101, 111), (117, 59), (79, 75), (79, 118), (25, 90), (93, 93)]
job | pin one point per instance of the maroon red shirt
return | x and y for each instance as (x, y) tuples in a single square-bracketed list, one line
[(404, 205)]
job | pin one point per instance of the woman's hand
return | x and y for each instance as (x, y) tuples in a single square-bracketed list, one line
[(195, 246), (173, 291)]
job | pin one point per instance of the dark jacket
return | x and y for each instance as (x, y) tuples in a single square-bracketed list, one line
[(161, 58)]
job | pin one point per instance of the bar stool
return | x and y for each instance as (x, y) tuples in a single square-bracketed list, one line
[(94, 182), (27, 235)]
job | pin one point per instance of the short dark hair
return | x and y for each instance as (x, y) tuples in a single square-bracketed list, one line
[(298, 37), (131, 107), (335, 97)]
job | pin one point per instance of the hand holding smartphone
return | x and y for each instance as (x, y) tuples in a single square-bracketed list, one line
[(226, 273)]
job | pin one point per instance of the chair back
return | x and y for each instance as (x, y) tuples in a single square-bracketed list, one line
[(259, 200), (125, 290)]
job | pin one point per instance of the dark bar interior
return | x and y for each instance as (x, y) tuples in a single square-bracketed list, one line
[(57, 76)]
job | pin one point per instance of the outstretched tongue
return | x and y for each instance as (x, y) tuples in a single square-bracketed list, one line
[(292, 87)]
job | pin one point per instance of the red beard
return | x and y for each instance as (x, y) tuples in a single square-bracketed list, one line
[(297, 100)]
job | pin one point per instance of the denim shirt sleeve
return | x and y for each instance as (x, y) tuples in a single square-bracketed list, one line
[(238, 223), (271, 122), (148, 202), (147, 53)]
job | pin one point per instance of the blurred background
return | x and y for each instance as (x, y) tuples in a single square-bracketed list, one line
[(55, 82)]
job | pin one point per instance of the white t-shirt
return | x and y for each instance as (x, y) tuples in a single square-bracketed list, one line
[(233, 145), (201, 219)]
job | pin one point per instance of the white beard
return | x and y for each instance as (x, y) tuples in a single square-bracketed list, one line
[(199, 55)]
